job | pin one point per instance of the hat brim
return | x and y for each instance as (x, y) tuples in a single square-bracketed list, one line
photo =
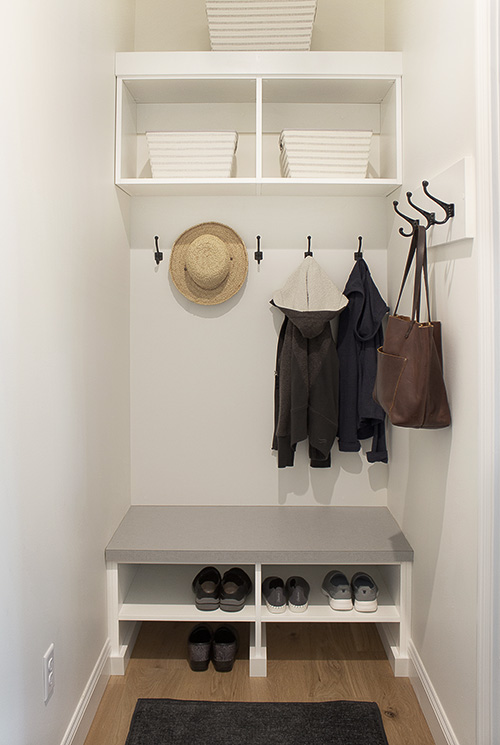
[(238, 267)]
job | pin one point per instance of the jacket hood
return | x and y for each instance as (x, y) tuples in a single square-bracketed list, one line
[(371, 307), (309, 298)]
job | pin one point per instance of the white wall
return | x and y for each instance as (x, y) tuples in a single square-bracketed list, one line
[(64, 421), (202, 379), (433, 481), (170, 25)]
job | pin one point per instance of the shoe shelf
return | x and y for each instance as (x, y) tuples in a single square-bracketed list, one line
[(156, 552), (162, 592), (319, 610), (258, 94)]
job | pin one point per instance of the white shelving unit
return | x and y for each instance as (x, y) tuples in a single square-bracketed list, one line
[(258, 94), (157, 551)]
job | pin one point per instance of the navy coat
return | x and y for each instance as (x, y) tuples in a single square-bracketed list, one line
[(360, 335)]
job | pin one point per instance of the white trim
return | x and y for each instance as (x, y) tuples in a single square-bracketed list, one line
[(398, 661), (87, 706), (120, 659), (432, 708), (133, 65), (487, 120)]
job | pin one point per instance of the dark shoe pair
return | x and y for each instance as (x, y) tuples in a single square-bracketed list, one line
[(220, 647), (277, 594), (229, 592)]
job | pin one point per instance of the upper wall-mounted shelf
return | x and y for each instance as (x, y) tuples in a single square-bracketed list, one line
[(258, 94)]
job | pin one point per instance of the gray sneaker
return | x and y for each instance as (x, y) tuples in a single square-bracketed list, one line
[(365, 592), (338, 590), (273, 591), (297, 592)]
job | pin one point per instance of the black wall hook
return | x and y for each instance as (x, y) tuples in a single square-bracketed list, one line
[(258, 255), (359, 253), (429, 216), (413, 222), (158, 254), (308, 252), (449, 208)]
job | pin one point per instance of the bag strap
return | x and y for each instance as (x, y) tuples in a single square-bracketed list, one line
[(409, 260), (418, 249), (420, 269)]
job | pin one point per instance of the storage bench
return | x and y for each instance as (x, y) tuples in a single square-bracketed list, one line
[(157, 550)]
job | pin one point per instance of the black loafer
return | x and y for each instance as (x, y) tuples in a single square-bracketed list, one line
[(235, 588), (224, 648), (206, 587), (200, 647)]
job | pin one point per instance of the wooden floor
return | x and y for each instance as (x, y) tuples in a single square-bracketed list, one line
[(306, 662)]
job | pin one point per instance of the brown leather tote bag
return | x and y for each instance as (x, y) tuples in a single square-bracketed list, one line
[(409, 385)]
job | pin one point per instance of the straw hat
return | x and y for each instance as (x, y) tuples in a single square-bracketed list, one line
[(209, 263)]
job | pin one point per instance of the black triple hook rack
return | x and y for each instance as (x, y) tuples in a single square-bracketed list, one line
[(258, 255), (449, 209)]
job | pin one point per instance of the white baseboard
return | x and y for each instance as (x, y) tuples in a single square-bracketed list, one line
[(430, 704), (87, 706)]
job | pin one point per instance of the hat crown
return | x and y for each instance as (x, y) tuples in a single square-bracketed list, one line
[(208, 261)]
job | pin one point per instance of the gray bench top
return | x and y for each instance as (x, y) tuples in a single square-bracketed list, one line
[(150, 534)]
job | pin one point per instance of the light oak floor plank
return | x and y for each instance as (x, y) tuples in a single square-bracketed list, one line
[(306, 662)]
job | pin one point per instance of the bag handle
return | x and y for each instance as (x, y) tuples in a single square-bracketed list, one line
[(421, 269), (418, 249), (409, 260)]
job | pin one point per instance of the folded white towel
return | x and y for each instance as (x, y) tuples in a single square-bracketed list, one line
[(258, 24), (192, 154), (324, 153)]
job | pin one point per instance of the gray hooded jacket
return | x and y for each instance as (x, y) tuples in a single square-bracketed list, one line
[(307, 368)]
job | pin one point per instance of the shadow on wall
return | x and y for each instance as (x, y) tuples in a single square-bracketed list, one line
[(301, 479), (206, 311)]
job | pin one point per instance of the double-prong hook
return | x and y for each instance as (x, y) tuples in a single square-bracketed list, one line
[(158, 254), (413, 222), (258, 255), (449, 208), (359, 253), (429, 216)]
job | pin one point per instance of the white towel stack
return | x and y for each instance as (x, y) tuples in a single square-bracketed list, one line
[(192, 154), (324, 153), (245, 25)]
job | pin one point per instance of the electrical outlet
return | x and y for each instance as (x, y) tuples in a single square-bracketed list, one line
[(48, 673)]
